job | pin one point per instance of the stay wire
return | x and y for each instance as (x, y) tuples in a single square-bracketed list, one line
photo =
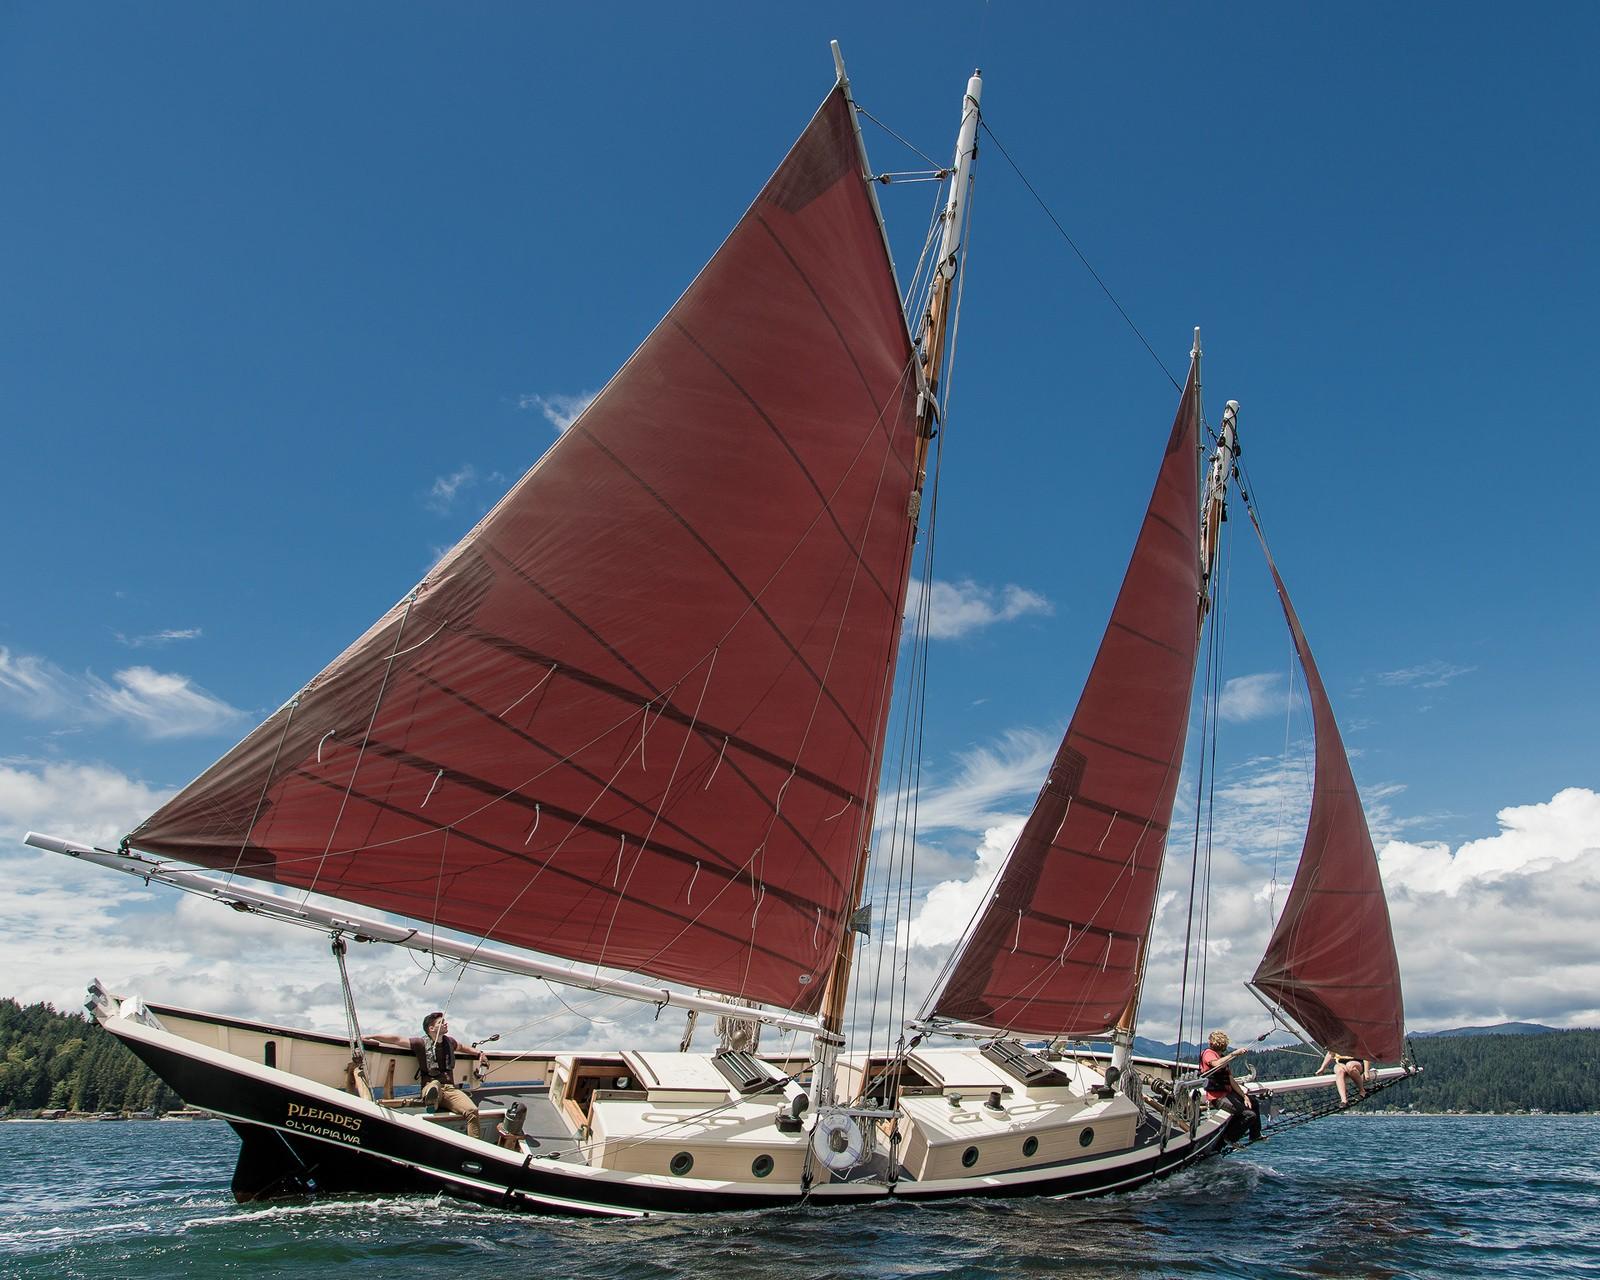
[(1104, 287)]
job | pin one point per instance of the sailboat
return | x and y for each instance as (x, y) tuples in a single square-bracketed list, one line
[(627, 736)]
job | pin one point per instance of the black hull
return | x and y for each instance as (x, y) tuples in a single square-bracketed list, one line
[(299, 1139)]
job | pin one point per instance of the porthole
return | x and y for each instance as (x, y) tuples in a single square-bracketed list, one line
[(1086, 1138), (1030, 1147), (969, 1157), (471, 1166), (761, 1166), (681, 1163)]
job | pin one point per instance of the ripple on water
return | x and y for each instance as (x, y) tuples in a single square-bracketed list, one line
[(1412, 1196)]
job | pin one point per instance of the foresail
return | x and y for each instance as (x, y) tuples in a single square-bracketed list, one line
[(1331, 964), (635, 717), (1056, 950)]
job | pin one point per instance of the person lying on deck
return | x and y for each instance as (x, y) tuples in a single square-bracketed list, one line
[(1223, 1091), (435, 1051), (1346, 1071)]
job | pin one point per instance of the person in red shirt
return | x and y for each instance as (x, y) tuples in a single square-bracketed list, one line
[(1223, 1091)]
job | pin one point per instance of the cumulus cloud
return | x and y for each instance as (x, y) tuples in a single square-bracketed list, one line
[(951, 904), (957, 608), (560, 411), (157, 704), (1498, 928), (1252, 697)]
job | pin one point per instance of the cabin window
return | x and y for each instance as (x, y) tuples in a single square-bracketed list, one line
[(681, 1163), (761, 1166), (1030, 1147), (1086, 1137), (969, 1157), (269, 1055)]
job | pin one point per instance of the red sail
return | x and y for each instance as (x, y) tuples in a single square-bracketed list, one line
[(1056, 949), (635, 717), (1331, 964)]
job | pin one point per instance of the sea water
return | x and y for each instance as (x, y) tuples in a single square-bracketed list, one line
[(1348, 1196)]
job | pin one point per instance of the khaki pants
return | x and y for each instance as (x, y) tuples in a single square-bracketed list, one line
[(446, 1097)]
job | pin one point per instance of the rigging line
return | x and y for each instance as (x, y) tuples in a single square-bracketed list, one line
[(1220, 631), (1104, 288), (1194, 853), (266, 784), (655, 818), (542, 679), (752, 599), (907, 145), (918, 284), (892, 855), (361, 752), (1283, 799)]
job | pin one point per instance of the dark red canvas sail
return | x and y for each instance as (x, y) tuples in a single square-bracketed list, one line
[(1331, 963), (1056, 949), (635, 717)]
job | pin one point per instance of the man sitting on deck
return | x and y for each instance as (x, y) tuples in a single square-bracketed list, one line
[(435, 1052)]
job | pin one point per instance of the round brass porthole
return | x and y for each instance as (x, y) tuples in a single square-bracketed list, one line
[(1086, 1138), (681, 1163), (761, 1166), (969, 1157), (1030, 1147)]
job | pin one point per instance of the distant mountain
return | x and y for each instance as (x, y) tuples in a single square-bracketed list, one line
[(1499, 1029)]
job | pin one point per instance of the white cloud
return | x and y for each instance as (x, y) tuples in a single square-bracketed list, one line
[(1533, 838), (951, 904), (560, 411), (957, 608), (157, 704), (1427, 675), (990, 785), (1252, 697), (163, 705), (1500, 928), (157, 639), (447, 488)]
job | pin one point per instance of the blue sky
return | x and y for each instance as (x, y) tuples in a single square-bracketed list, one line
[(295, 293)]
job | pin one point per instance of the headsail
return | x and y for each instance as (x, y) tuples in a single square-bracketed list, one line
[(635, 717), (1056, 950), (1331, 963)]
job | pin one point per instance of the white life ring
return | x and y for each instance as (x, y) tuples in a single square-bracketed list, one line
[(837, 1141)]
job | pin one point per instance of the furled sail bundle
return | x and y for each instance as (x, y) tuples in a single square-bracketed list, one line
[(1057, 949), (1331, 963), (635, 717)]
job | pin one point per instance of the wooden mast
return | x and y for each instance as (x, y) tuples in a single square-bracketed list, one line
[(930, 356)]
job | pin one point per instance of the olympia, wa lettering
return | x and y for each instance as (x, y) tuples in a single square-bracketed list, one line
[(316, 1120)]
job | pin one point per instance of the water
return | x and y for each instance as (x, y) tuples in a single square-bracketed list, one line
[(1348, 1196)]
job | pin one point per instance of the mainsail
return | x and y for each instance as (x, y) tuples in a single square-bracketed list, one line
[(635, 717), (1331, 963), (1056, 950)]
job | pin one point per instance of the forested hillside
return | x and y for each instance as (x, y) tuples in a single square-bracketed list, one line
[(1555, 1072), (50, 1059)]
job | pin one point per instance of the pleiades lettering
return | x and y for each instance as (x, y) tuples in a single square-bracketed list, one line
[(317, 1121)]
